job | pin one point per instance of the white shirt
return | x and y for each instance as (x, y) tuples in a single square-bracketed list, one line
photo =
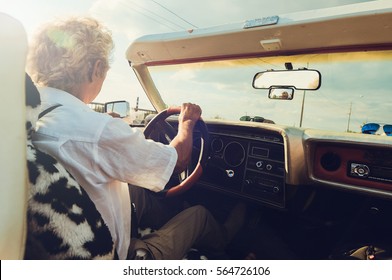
[(103, 154)]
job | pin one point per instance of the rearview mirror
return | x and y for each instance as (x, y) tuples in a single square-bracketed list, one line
[(301, 79)]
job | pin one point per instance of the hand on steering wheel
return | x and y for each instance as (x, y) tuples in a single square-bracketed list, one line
[(189, 177)]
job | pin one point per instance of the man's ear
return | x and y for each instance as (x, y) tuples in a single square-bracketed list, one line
[(99, 70)]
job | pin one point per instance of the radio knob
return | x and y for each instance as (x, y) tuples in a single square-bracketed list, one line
[(260, 164), (361, 170)]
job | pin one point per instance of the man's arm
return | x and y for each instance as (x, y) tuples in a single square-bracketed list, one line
[(190, 114)]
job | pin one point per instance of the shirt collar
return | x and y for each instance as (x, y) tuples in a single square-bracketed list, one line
[(53, 96)]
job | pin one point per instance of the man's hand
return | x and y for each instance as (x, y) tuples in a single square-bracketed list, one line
[(190, 114), (114, 114)]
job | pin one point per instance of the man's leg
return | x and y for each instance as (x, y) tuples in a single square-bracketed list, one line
[(194, 226), (153, 211)]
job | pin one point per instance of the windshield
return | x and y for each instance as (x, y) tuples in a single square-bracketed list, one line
[(355, 89)]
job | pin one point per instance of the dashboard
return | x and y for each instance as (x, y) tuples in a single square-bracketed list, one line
[(249, 163), (265, 163), (362, 167)]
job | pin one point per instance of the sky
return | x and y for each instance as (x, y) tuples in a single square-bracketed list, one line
[(130, 19)]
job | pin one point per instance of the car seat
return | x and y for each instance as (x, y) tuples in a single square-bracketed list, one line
[(13, 173), (63, 222)]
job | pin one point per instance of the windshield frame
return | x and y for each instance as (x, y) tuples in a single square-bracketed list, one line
[(327, 32), (340, 97)]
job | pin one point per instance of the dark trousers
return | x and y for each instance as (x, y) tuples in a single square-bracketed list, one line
[(178, 229)]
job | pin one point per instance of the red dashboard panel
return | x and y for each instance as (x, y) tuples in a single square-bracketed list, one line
[(357, 165)]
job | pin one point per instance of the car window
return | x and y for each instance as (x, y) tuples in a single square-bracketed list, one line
[(355, 89)]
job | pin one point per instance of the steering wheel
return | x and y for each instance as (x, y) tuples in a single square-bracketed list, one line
[(188, 177)]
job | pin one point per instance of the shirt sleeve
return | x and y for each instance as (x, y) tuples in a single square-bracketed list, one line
[(124, 154)]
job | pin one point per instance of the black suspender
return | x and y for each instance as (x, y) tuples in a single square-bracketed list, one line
[(44, 112)]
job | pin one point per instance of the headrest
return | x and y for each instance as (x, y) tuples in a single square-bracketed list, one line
[(33, 104)]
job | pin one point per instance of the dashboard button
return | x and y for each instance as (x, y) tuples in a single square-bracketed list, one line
[(260, 164)]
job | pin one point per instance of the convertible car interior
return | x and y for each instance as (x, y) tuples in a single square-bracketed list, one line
[(317, 191), (295, 124)]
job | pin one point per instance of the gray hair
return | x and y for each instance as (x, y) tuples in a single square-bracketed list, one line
[(63, 53)]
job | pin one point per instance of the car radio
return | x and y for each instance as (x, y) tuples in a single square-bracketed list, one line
[(370, 172)]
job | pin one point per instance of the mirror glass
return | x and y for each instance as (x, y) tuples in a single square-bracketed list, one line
[(302, 79), (118, 107), (281, 93)]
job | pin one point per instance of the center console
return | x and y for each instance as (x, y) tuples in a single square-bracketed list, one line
[(248, 165)]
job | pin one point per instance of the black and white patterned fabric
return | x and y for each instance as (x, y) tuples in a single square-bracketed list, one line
[(63, 222)]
